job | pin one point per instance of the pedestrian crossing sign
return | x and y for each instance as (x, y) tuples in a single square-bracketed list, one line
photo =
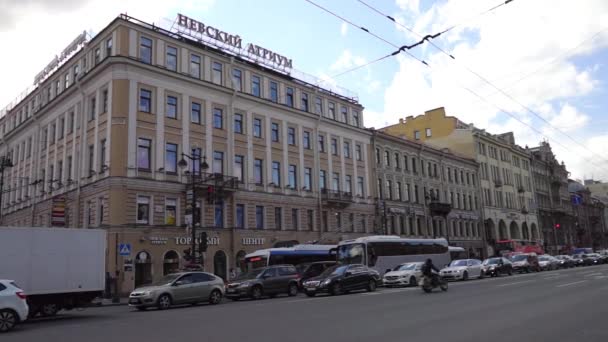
[(124, 249)]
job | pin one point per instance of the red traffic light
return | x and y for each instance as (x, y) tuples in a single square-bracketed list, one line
[(557, 226)]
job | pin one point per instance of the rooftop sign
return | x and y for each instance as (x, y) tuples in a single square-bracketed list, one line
[(59, 59)]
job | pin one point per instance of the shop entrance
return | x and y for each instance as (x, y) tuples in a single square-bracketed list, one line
[(143, 269), (220, 264)]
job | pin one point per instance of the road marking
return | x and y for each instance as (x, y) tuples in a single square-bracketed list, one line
[(515, 283), (587, 272), (592, 274), (601, 277), (574, 283)]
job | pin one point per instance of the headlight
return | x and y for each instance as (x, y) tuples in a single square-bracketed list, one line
[(404, 276), (492, 268), (245, 284), (326, 282)]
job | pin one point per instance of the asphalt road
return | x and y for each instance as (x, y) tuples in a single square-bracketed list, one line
[(564, 305)]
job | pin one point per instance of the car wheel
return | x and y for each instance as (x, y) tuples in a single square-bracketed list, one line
[(465, 276), (8, 320), (49, 310), (371, 285), (292, 290), (215, 297), (413, 282), (311, 294), (336, 289), (481, 275), (256, 292), (164, 302)]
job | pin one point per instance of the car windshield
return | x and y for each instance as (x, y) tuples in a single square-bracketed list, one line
[(520, 257), (250, 274), (166, 280), (458, 263), (334, 270), (544, 258), (493, 261), (405, 267)]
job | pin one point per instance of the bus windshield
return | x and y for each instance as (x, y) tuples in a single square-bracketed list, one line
[(256, 262), (351, 254)]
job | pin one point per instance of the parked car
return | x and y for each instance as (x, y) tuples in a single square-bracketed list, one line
[(405, 274), (179, 288), (525, 262), (494, 267), (266, 281), (565, 261), (596, 259), (13, 306), (342, 279), (462, 269), (582, 260), (311, 270), (547, 263)]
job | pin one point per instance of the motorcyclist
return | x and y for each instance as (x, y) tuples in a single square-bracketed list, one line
[(427, 271)]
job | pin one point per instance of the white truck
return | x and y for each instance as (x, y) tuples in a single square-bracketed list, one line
[(57, 268)]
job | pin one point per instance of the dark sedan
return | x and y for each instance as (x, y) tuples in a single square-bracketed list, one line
[(342, 279), (494, 267), (565, 261), (308, 271), (582, 260)]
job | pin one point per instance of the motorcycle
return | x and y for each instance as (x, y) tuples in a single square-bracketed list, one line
[(427, 284)]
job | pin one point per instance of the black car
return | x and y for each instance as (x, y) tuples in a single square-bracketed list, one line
[(341, 279), (494, 267), (565, 261), (266, 281), (311, 270), (582, 260)]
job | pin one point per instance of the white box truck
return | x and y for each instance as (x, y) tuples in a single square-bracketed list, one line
[(57, 268)]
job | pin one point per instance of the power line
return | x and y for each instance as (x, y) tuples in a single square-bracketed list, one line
[(403, 49)]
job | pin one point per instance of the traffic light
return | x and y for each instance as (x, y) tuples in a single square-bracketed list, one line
[(210, 194), (202, 245), (557, 226)]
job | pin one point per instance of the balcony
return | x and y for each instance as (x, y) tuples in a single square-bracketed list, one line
[(521, 189), (336, 199), (497, 183), (440, 209), (219, 184)]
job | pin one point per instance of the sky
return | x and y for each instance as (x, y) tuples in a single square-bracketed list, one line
[(533, 67)]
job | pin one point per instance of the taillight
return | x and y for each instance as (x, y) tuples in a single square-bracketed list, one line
[(20, 295)]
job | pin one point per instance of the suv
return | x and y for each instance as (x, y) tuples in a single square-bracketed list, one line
[(525, 263), (266, 281), (179, 288), (312, 270), (341, 279), (13, 307)]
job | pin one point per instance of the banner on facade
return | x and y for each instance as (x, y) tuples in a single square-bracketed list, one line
[(58, 211)]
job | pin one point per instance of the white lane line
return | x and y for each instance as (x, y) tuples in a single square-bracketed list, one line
[(592, 274), (574, 283), (601, 277), (515, 283), (587, 272)]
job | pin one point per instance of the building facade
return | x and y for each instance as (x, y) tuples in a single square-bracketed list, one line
[(589, 217), (100, 143), (555, 211), (504, 169), (425, 192)]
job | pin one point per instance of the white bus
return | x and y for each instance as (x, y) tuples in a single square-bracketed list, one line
[(298, 254), (385, 252)]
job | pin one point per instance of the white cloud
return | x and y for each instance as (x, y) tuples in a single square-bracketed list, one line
[(343, 29), (346, 61)]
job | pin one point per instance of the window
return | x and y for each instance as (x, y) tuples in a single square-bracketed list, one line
[(304, 102), (196, 167), (171, 59), (171, 158), (91, 162), (389, 189), (318, 105), (76, 70), (335, 181), (237, 79), (29, 147), (170, 211), (218, 162), (109, 47), (346, 149), (257, 171), (321, 143), (145, 50), (414, 167), (218, 118), (238, 167), (69, 168), (102, 153), (219, 215), (143, 210), (71, 118), (216, 75), (257, 128), (360, 186), (274, 134), (145, 101), (195, 66), (60, 171), (334, 146), (195, 112), (398, 192), (104, 101), (292, 179), (97, 55), (238, 123), (387, 158), (66, 82), (322, 179), (428, 132), (171, 107), (417, 135), (310, 215), (276, 173), (274, 91), (358, 152), (278, 218), (291, 136), (306, 140), (344, 114), (348, 184), (92, 109), (240, 216), (294, 219), (307, 178), (378, 156), (416, 197), (255, 86), (356, 119), (259, 217), (60, 131), (289, 96), (380, 188)]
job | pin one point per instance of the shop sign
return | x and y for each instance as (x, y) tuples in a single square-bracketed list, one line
[(402, 211), (128, 265), (187, 240), (158, 240), (253, 241)]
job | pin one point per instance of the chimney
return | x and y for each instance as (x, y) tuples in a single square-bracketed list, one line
[(400, 120)]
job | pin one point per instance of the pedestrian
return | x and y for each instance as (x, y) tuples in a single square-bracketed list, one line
[(232, 273)]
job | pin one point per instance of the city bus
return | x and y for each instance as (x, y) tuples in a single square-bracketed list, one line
[(510, 246), (385, 252), (298, 254)]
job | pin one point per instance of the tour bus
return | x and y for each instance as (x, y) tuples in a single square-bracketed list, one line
[(385, 252), (298, 254)]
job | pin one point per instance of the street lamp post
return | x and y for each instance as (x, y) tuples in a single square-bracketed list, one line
[(5, 162), (183, 164)]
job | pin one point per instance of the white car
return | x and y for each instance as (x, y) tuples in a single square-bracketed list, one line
[(462, 269), (404, 274), (13, 307)]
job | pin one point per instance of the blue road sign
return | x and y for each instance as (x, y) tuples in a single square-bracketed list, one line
[(124, 249)]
